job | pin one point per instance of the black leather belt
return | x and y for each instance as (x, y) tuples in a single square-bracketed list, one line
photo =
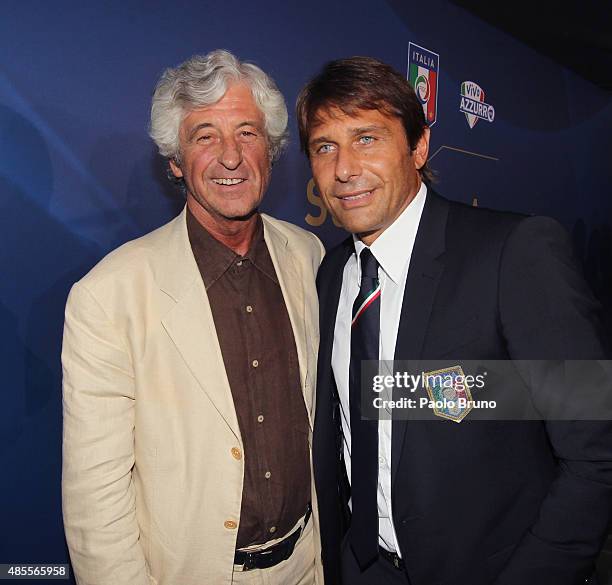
[(264, 559), (395, 560)]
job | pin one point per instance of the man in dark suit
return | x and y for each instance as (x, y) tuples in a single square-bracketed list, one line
[(423, 278)]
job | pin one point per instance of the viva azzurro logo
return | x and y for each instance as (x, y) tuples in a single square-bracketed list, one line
[(473, 104)]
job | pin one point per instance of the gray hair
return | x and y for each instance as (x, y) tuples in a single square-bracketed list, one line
[(202, 81)]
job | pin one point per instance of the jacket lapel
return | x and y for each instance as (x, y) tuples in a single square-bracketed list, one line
[(189, 323), (328, 463), (329, 295), (290, 279), (426, 266)]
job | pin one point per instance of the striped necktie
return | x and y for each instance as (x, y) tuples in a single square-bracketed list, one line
[(365, 332)]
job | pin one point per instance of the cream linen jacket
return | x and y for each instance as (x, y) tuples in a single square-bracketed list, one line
[(152, 453)]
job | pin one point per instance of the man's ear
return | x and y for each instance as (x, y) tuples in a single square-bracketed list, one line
[(422, 150), (175, 168)]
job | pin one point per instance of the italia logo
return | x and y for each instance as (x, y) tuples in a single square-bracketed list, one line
[(473, 104), (423, 67)]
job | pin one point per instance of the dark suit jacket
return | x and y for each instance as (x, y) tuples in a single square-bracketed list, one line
[(481, 502)]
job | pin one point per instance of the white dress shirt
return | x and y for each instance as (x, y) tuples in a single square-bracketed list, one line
[(393, 250)]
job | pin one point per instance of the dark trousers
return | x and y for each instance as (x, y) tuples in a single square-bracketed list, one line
[(382, 572)]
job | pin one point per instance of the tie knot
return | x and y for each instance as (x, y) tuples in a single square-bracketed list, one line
[(369, 265)]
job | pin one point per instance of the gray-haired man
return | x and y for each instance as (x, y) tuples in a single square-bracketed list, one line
[(189, 362)]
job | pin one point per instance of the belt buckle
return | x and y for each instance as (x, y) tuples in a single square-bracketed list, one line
[(251, 558), (249, 562)]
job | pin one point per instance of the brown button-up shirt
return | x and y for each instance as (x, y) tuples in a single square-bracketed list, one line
[(261, 363)]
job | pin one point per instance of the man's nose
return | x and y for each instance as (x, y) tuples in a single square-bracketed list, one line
[(347, 165), (230, 155)]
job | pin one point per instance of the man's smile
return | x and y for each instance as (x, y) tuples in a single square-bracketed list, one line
[(355, 198), (224, 181)]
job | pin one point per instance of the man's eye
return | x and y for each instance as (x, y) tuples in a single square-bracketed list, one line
[(248, 134), (366, 139), (204, 138), (324, 148)]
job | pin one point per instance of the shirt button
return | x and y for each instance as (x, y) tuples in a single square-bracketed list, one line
[(239, 263), (260, 418), (255, 363), (236, 453), (249, 309), (272, 529), (382, 460), (230, 524), (267, 475)]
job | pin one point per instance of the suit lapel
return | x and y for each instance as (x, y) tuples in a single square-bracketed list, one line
[(426, 266), (328, 460), (189, 323), (329, 295), (290, 279)]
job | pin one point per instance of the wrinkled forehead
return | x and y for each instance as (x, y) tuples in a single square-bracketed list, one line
[(235, 108)]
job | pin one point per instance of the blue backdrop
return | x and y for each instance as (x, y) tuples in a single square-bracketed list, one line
[(79, 175)]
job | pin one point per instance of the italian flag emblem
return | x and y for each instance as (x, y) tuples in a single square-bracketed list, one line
[(423, 67)]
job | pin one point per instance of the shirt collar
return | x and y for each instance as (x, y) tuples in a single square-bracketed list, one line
[(214, 258), (390, 247)]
